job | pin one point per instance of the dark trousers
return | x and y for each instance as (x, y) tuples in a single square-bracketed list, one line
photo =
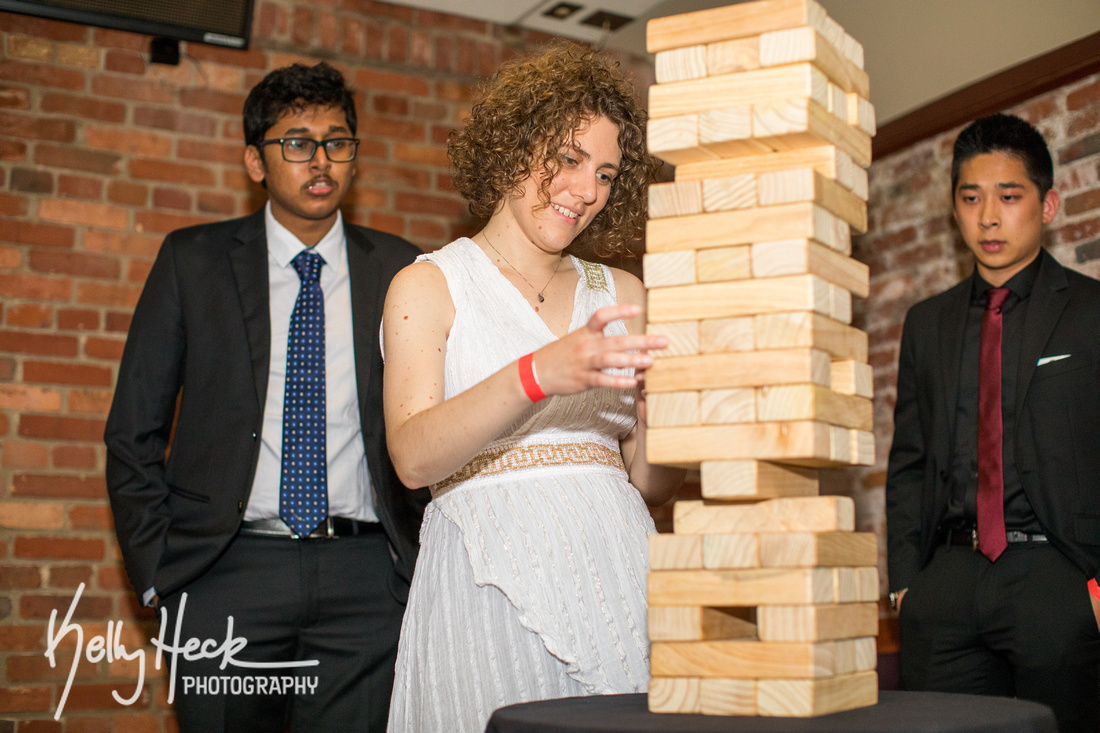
[(330, 600), (1020, 627)]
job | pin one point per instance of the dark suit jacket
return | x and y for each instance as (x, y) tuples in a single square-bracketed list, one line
[(1057, 423), (199, 345)]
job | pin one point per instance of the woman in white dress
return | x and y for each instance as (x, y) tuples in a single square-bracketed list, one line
[(510, 389)]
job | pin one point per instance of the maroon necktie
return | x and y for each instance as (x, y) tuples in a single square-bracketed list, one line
[(991, 484)]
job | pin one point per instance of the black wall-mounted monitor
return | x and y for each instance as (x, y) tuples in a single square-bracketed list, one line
[(217, 22)]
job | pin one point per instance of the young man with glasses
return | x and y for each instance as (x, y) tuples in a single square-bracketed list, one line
[(271, 515)]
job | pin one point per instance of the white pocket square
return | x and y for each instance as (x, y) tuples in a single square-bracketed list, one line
[(1048, 359)]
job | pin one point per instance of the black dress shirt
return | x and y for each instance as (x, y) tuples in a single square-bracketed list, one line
[(962, 502)]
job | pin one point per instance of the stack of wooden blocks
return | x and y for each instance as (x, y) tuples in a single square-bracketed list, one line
[(764, 600)]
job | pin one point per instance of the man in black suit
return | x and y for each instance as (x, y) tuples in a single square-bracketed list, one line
[(993, 487), (272, 514)]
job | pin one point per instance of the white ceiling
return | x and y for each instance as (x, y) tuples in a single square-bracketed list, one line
[(916, 51)]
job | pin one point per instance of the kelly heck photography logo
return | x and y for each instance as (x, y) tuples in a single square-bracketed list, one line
[(109, 646)]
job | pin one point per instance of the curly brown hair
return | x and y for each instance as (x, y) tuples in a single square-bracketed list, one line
[(525, 119)]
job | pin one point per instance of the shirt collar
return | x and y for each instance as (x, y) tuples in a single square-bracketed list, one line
[(284, 246), (1020, 284)]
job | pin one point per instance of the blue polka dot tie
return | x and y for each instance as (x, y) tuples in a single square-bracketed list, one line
[(303, 495)]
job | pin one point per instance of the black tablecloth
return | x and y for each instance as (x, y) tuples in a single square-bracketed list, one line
[(896, 712)]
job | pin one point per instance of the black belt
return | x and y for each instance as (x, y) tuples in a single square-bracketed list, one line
[(969, 537), (331, 528)]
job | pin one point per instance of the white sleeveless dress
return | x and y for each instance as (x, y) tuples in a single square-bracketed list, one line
[(530, 582)]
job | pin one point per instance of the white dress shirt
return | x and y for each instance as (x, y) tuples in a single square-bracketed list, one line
[(349, 489)]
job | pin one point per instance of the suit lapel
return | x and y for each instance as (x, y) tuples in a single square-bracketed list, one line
[(951, 329), (366, 305), (248, 258), (1049, 298)]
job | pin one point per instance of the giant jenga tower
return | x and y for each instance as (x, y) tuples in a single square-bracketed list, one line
[(764, 600)]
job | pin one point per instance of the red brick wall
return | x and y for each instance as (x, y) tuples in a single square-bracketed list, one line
[(914, 249), (101, 154)]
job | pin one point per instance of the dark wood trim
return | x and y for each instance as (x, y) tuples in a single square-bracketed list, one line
[(992, 94)]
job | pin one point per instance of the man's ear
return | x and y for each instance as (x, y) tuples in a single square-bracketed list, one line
[(1050, 206), (254, 164)]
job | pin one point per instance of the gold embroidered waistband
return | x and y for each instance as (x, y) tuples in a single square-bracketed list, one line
[(512, 458)]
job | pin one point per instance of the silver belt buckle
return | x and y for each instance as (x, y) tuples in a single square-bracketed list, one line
[(974, 540)]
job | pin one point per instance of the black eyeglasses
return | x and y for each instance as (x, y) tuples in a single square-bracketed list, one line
[(302, 149)]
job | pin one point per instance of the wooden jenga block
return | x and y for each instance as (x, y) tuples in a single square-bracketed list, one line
[(828, 160), (861, 448), (666, 409), (778, 403), (840, 304), (678, 64), (730, 22), (668, 268), (745, 659), (675, 552), (752, 587), (798, 256), (795, 81), (731, 551), (840, 444), (861, 113), (847, 586), (748, 297), (745, 226), (867, 579), (800, 443), (737, 369), (724, 406), (676, 139), (732, 192), (675, 198), (739, 480), (820, 622), (818, 549), (674, 695), (798, 122), (852, 176), (794, 45), (727, 697), (683, 337), (840, 236), (802, 514), (852, 377), (723, 263), (856, 655), (807, 698), (727, 132), (727, 57), (812, 330), (849, 47), (725, 334), (699, 623), (706, 696), (838, 102), (806, 184)]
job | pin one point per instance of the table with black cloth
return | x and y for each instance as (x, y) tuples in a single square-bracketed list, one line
[(896, 712)]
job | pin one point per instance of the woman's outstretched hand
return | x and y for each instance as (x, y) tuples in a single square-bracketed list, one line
[(575, 362)]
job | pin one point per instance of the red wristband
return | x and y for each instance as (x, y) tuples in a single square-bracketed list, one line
[(1094, 589), (528, 379)]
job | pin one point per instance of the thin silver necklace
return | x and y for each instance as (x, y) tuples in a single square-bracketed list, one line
[(538, 293)]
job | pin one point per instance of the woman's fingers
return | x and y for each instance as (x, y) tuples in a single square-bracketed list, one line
[(578, 361), (603, 316), (634, 342), (622, 360)]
